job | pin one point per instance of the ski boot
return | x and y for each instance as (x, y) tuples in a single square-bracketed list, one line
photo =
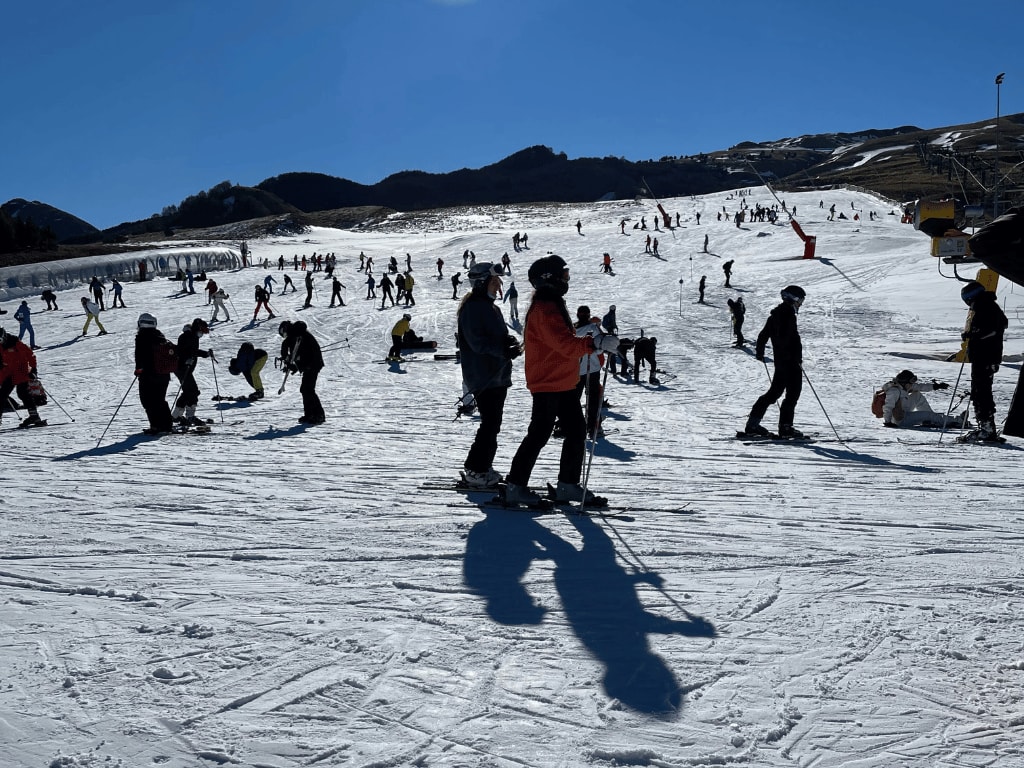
[(521, 496), (566, 492), (787, 432), (487, 480)]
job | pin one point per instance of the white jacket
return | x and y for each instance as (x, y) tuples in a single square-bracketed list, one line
[(590, 363), (900, 401)]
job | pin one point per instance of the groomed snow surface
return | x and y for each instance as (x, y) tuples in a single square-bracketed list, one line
[(276, 595)]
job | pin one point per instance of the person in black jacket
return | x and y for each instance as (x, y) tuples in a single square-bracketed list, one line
[(787, 349), (739, 311), (984, 336), (188, 351), (485, 353), (152, 385), (300, 353)]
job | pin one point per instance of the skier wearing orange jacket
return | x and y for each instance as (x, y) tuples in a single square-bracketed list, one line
[(553, 352)]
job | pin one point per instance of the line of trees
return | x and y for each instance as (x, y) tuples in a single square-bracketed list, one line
[(17, 234)]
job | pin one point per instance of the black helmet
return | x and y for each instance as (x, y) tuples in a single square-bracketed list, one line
[(547, 273), (794, 293), (905, 377), (283, 328), (200, 326), (971, 291), (407, 316)]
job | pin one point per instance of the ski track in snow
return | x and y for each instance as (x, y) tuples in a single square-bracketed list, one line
[(272, 595)]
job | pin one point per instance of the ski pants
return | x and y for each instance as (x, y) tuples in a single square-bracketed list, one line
[(311, 405), (26, 327), (88, 319), (737, 329), (982, 376), (396, 346), (547, 407), (590, 383), (788, 378), (7, 386), (153, 397), (491, 405), (253, 374), (189, 396)]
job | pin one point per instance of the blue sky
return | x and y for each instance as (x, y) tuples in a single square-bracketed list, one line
[(115, 109)]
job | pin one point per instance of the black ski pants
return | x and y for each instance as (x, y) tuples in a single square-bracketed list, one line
[(982, 376), (189, 389), (547, 407), (589, 388), (153, 397), (788, 378), (490, 404), (311, 405)]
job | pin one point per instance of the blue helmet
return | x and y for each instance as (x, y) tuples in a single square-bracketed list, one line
[(971, 291)]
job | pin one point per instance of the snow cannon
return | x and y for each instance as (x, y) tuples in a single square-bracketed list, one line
[(810, 241), (1000, 245)]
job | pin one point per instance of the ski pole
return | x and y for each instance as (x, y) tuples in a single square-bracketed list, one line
[(821, 404), (288, 367), (100, 440), (50, 396), (593, 440), (955, 388), (216, 386)]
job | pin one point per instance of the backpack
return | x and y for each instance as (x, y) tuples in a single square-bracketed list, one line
[(165, 357), (878, 403)]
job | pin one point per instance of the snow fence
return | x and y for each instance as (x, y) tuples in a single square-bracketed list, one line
[(29, 279)]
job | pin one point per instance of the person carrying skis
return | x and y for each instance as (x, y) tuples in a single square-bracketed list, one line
[(262, 300), (184, 412), (905, 406), (18, 373), (781, 329), (645, 350), (301, 354), (152, 383), (402, 327), (738, 310), (984, 336), (218, 304), (92, 312), (249, 362), (486, 350), (553, 352)]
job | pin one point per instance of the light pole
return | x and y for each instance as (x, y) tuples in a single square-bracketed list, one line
[(995, 191)]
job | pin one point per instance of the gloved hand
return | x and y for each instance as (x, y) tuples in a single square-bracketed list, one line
[(606, 342), (939, 385), (210, 353), (513, 348), (138, 371), (33, 374)]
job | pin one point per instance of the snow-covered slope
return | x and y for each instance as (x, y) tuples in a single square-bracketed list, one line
[(271, 595)]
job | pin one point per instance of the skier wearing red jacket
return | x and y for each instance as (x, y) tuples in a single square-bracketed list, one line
[(18, 372)]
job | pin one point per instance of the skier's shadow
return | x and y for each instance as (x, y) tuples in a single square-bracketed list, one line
[(599, 600), (126, 444), (273, 433)]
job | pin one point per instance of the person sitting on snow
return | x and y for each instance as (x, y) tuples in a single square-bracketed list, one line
[(906, 406)]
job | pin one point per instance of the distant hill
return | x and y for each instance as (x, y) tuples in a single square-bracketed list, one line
[(901, 164), (62, 224)]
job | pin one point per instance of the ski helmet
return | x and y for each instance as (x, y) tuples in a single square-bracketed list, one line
[(407, 316), (200, 326), (971, 291), (481, 272), (147, 320), (547, 272), (283, 328), (905, 377), (793, 293)]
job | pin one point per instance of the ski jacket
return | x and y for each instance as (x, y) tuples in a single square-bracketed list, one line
[(23, 314), (899, 400), (401, 328), (91, 307), (146, 341), (188, 351), (984, 333), (19, 363), (780, 328), (553, 350), (645, 348), (610, 324), (737, 307), (261, 295), (483, 344), (300, 350)]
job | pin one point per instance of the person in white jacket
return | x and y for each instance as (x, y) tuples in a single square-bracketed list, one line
[(92, 312), (906, 406), (590, 371)]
